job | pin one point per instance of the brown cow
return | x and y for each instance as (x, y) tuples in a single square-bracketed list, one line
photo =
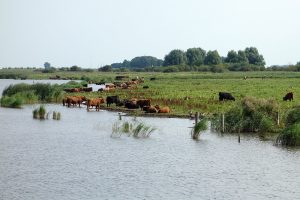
[(72, 90), (94, 102), (165, 109), (143, 102), (74, 100), (150, 109)]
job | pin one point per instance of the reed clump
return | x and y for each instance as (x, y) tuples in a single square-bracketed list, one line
[(135, 129), (198, 129), (39, 113)]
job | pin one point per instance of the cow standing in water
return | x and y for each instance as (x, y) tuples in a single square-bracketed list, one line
[(289, 96), (225, 96)]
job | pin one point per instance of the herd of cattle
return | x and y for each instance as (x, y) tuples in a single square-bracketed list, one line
[(131, 84), (143, 104), (134, 103)]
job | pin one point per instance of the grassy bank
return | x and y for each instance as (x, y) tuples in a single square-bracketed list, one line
[(258, 95)]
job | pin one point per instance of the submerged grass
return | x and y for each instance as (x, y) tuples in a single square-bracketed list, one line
[(135, 129), (39, 113)]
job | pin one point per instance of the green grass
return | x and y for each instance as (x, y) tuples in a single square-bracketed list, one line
[(200, 89)]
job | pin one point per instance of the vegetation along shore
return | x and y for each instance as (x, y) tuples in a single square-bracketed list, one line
[(258, 107)]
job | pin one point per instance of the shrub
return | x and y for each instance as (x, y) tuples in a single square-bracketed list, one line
[(252, 115), (11, 102), (293, 116), (290, 136)]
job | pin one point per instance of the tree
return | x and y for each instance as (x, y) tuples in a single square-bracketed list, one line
[(117, 65), (232, 57), (126, 64), (175, 57), (242, 57), (145, 61), (254, 57), (75, 68), (212, 58), (106, 68), (195, 56), (298, 63), (47, 65)]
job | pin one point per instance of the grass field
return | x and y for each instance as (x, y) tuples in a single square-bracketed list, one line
[(192, 91)]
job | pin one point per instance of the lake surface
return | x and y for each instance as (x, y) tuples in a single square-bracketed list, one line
[(76, 158)]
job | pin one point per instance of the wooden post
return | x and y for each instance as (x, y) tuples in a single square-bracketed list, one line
[(278, 119), (239, 138), (196, 118), (223, 123), (120, 116)]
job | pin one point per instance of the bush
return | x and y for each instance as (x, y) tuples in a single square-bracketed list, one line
[(11, 102), (290, 136), (293, 117), (252, 115)]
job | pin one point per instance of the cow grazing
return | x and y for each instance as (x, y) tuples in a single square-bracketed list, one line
[(94, 102), (143, 102), (225, 96), (289, 96), (111, 100)]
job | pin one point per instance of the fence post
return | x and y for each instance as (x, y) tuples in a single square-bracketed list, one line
[(223, 123), (196, 118), (120, 116), (278, 119)]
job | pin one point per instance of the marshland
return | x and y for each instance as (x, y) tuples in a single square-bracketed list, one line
[(80, 155)]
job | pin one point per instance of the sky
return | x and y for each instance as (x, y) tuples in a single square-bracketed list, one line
[(93, 33)]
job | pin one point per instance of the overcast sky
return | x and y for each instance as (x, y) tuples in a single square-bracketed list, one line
[(92, 33)]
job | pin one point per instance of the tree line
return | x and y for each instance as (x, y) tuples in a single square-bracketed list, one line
[(194, 59)]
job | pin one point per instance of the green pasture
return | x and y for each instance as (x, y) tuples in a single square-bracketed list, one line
[(189, 91)]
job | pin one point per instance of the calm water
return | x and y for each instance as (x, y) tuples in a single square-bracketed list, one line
[(75, 158)]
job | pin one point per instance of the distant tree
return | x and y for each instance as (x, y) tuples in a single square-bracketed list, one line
[(232, 57), (242, 57), (298, 63), (117, 65), (254, 57), (145, 61), (106, 68), (195, 56), (75, 68), (212, 58), (126, 64), (47, 65), (175, 57)]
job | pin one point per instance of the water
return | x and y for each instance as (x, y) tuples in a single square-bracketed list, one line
[(76, 158)]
